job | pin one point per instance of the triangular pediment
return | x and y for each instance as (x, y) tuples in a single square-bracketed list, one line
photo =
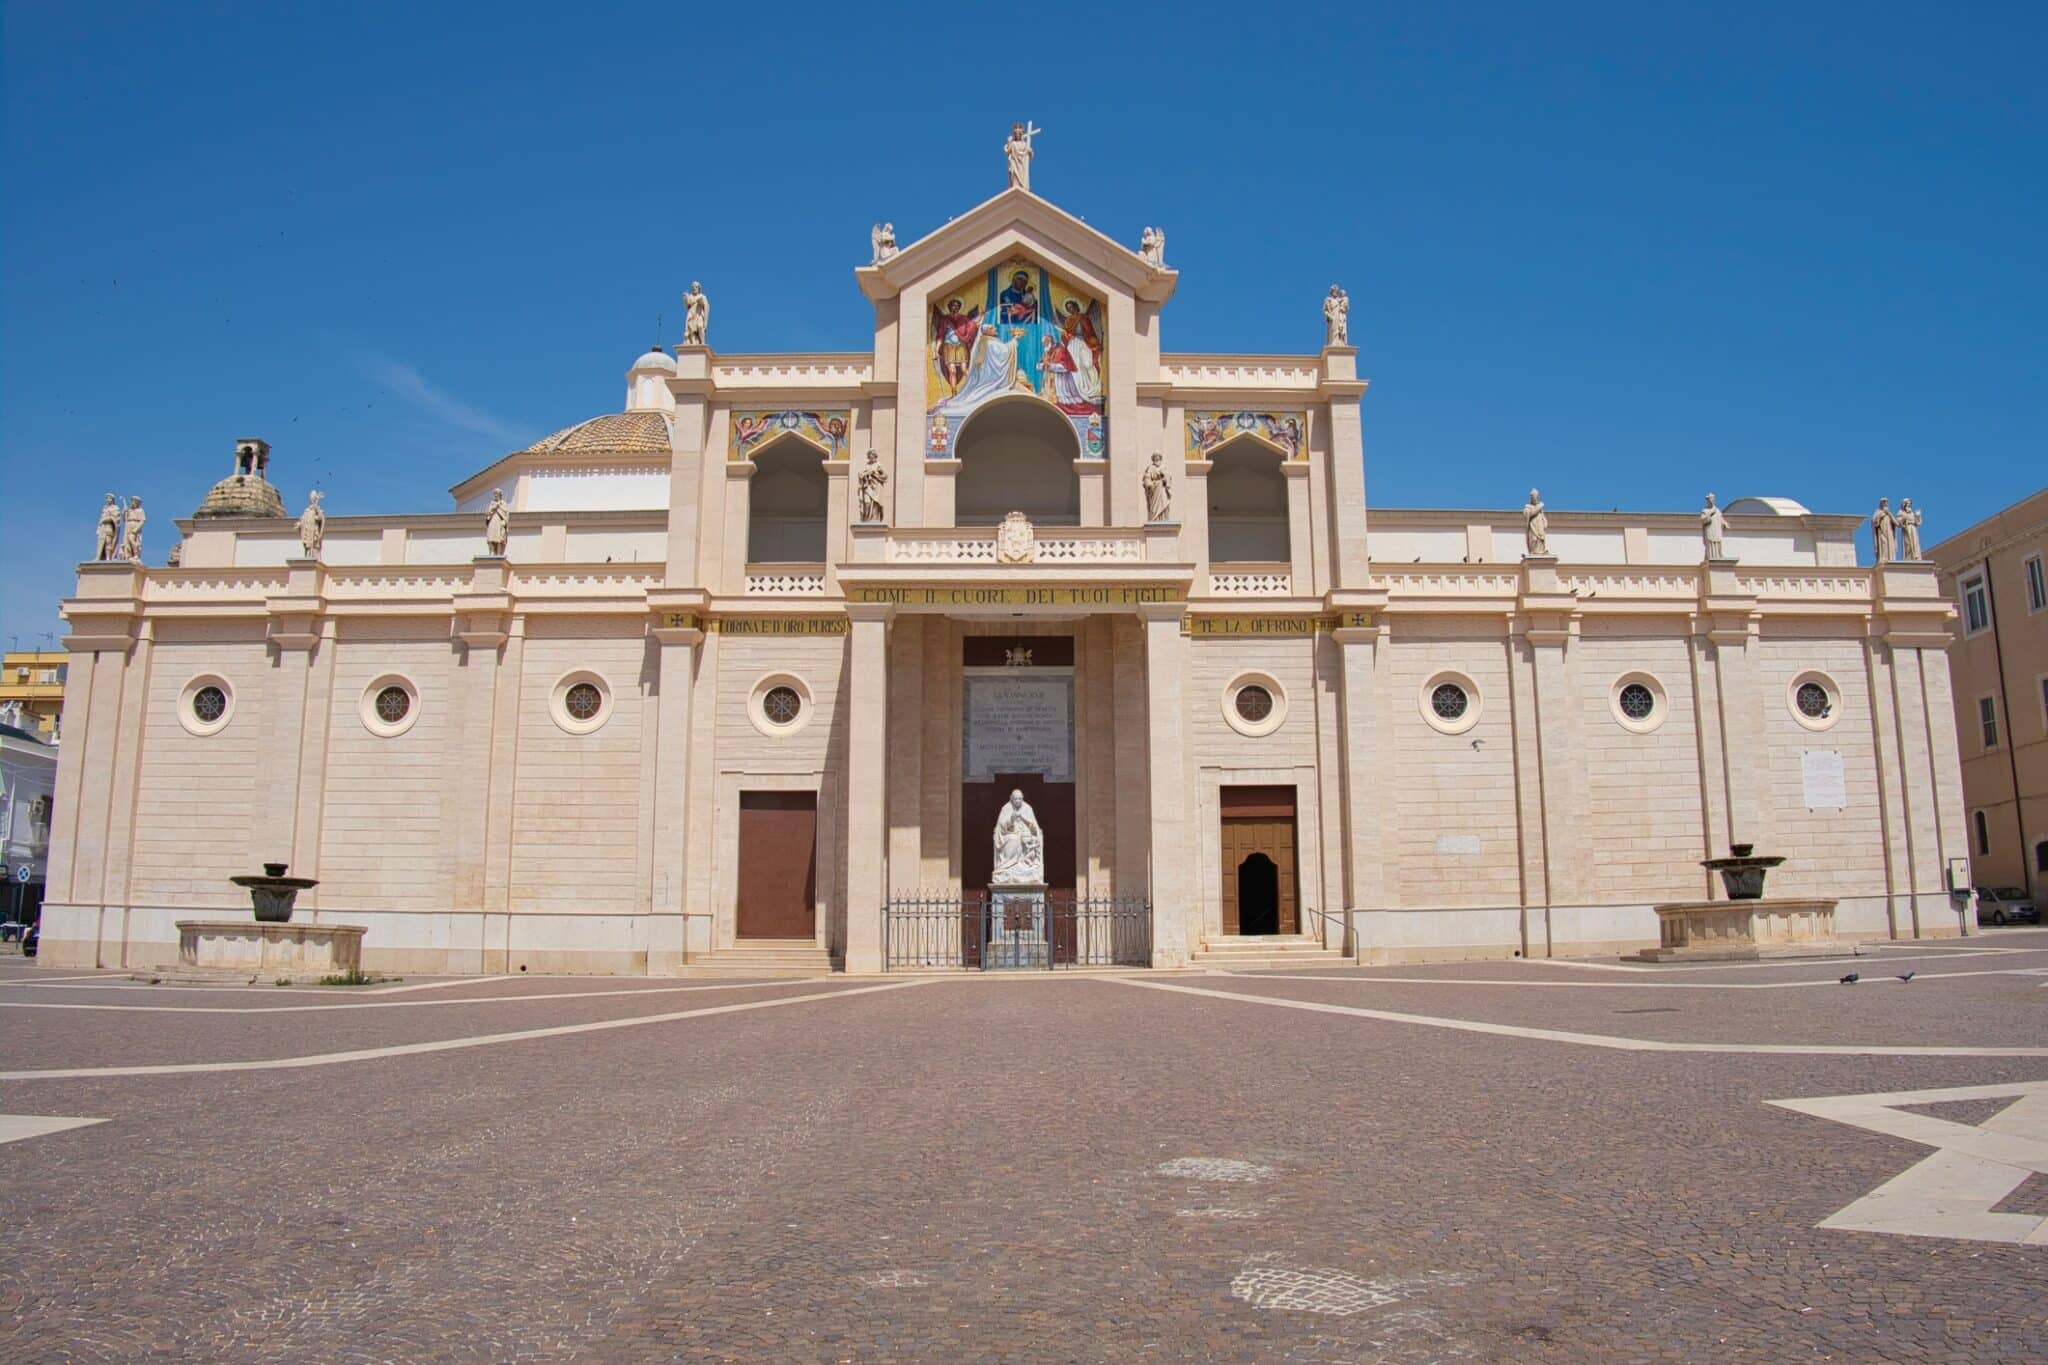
[(1017, 221)]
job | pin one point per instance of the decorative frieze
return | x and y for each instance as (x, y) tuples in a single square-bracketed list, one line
[(826, 431), (1282, 432)]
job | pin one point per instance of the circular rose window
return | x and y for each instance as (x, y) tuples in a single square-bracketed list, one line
[(1254, 703), (781, 705), (209, 704), (392, 704), (1449, 701), (1637, 702), (1814, 702), (583, 701)]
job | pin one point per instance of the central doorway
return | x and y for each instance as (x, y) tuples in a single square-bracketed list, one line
[(1017, 734), (1260, 894)]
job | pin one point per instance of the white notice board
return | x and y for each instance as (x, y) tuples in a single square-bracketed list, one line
[(1820, 777)]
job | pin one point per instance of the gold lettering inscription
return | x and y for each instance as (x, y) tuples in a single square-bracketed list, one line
[(1017, 597), (779, 625)]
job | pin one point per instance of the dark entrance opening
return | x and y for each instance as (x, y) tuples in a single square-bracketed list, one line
[(1258, 896)]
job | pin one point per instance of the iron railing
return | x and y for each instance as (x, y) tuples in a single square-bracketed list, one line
[(966, 930)]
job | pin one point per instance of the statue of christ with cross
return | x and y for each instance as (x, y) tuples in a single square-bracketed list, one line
[(1018, 150)]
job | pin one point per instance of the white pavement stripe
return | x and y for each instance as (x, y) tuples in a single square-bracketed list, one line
[(438, 985), (442, 1045), (56, 980), (405, 1004), (1600, 1040), (15, 1127), (1877, 980), (1918, 952)]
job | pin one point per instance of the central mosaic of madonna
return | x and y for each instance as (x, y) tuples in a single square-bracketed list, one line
[(1016, 329)]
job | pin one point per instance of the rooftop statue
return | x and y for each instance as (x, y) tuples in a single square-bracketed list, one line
[(1884, 529), (883, 238), (312, 526), (1018, 152), (1152, 246), (1909, 530), (131, 532), (696, 315), (497, 524), (1536, 525), (1713, 529), (109, 543), (1336, 318)]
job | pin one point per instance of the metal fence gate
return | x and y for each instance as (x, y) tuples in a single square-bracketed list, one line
[(963, 930)]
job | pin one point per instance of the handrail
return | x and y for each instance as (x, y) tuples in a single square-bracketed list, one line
[(1343, 922)]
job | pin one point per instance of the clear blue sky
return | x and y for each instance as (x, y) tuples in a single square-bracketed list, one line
[(1629, 254)]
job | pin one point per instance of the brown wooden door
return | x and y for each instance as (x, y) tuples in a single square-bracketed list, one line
[(778, 865), (1260, 893)]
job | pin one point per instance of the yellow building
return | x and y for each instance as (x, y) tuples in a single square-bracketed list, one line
[(1994, 572), (34, 681)]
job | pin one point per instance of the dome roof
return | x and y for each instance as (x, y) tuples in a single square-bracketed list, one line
[(656, 359), (242, 495), (618, 433), (1768, 507)]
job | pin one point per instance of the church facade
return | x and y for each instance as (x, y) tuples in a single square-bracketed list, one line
[(745, 674)]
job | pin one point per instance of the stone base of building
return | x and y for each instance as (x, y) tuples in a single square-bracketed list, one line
[(1744, 931), (253, 951)]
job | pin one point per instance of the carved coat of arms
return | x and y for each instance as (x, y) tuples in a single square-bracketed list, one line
[(1015, 543)]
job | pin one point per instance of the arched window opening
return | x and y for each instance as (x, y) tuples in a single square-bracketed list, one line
[(1258, 895), (1983, 835), (1017, 455), (786, 505), (1248, 505)]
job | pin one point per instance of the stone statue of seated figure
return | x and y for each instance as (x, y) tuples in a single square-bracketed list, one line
[(1019, 845)]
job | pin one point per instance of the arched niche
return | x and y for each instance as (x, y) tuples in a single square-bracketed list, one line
[(1248, 505), (786, 502), (1017, 455)]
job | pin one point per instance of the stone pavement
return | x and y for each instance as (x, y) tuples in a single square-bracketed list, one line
[(1486, 1161)]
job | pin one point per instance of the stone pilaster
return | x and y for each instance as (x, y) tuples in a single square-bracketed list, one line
[(867, 778), (678, 633), (1341, 390), (1364, 765), (1174, 905)]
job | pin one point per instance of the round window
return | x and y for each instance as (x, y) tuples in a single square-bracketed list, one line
[(393, 703), (206, 705), (1638, 702), (1254, 704), (209, 704), (781, 705), (583, 701), (1815, 701), (1450, 702)]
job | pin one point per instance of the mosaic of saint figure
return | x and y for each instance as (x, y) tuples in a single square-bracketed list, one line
[(1019, 329)]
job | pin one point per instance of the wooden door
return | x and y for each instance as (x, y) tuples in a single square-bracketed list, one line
[(778, 873), (1260, 890)]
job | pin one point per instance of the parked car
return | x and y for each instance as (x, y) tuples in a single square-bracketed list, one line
[(2005, 905)]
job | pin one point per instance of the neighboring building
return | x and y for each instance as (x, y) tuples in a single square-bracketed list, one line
[(702, 706), (33, 680), (28, 786), (1997, 574)]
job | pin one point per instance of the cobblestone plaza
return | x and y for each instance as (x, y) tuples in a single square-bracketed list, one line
[(1553, 1161)]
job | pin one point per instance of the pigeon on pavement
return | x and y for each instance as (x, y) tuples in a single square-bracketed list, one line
[(1851, 979), (1908, 976)]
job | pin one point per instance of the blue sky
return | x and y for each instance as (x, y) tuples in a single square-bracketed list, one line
[(1628, 253)]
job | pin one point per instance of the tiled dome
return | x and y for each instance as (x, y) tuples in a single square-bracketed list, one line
[(242, 495), (618, 433)]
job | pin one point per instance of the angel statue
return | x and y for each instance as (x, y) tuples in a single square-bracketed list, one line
[(882, 237), (1019, 845), (872, 480)]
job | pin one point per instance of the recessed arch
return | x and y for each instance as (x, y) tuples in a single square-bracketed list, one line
[(1248, 504), (1017, 454), (786, 502)]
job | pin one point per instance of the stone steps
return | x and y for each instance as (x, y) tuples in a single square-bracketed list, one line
[(765, 957), (1264, 952)]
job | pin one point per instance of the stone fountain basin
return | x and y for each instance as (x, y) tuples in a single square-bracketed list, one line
[(265, 950), (1745, 931)]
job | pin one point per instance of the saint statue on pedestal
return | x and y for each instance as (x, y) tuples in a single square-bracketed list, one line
[(1019, 845)]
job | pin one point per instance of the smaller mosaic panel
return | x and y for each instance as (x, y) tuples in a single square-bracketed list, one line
[(1283, 431), (827, 431)]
